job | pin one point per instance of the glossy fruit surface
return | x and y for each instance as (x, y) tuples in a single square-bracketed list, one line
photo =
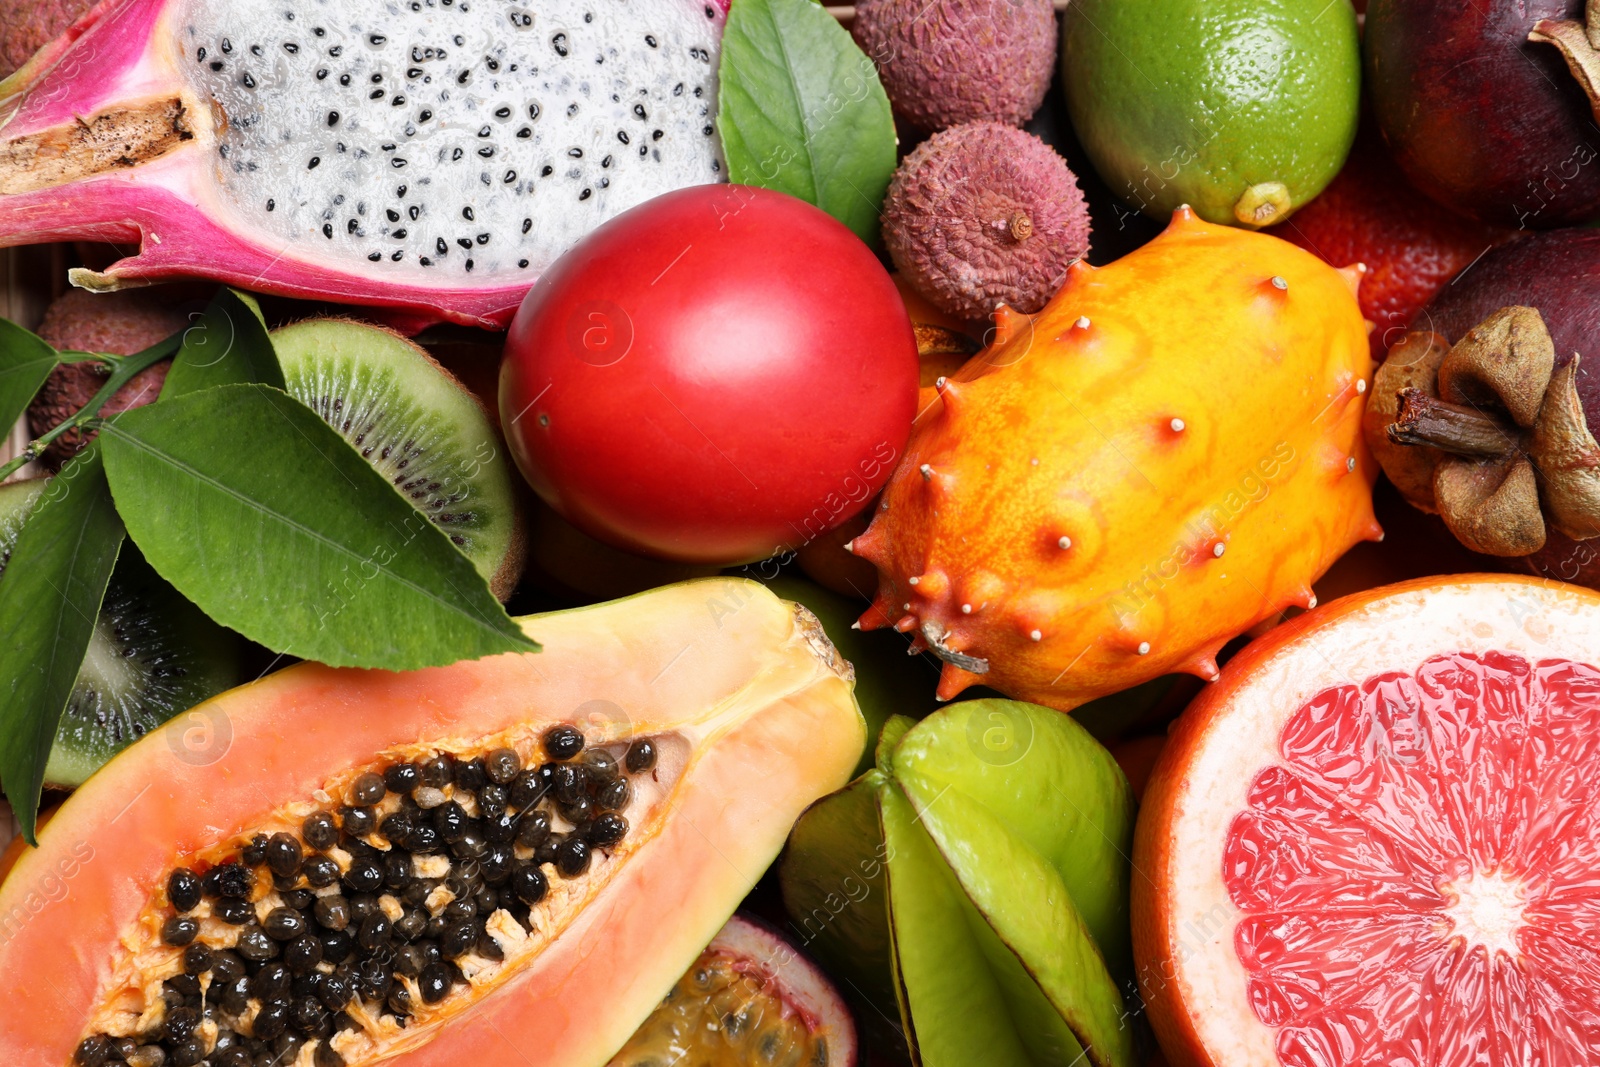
[(1481, 119), (1370, 842), (1165, 455), (1411, 246), (751, 717), (711, 377), (1242, 110)]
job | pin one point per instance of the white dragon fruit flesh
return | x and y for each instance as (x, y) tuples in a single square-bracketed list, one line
[(428, 156)]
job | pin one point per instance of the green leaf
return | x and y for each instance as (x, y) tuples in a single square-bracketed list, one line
[(264, 517), (228, 345), (800, 109), (25, 362), (50, 595)]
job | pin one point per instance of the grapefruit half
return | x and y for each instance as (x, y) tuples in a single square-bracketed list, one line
[(1376, 840)]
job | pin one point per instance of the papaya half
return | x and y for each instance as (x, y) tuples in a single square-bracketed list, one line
[(507, 860)]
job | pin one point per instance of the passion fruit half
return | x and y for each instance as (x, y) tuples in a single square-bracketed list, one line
[(751, 1000)]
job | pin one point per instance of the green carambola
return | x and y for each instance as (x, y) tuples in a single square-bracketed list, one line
[(976, 881)]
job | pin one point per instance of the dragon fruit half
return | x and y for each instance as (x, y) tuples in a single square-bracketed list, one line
[(428, 156)]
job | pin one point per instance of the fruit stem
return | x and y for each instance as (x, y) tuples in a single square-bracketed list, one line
[(1462, 431), (123, 370)]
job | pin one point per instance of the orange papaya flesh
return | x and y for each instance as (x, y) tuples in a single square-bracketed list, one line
[(751, 716)]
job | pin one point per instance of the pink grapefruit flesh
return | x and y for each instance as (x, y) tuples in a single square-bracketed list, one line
[(1377, 839)]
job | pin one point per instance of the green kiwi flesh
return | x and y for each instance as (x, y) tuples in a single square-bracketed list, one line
[(417, 426), (152, 656)]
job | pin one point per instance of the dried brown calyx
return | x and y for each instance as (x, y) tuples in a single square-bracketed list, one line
[(1489, 433), (1579, 44)]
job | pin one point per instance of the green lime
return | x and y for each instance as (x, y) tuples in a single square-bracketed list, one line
[(1242, 109)]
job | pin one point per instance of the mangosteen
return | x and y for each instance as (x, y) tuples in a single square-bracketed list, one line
[(1481, 110), (1483, 412)]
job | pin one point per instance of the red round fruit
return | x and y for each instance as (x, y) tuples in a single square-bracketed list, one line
[(717, 375)]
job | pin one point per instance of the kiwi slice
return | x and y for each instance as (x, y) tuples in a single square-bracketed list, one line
[(153, 655), (419, 427)]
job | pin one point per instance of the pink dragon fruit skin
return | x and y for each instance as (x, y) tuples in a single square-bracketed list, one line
[(502, 151)]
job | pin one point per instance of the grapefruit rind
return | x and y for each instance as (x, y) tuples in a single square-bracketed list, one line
[(1185, 919)]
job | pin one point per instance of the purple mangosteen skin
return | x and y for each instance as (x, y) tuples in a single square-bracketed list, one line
[(1483, 120), (1559, 274)]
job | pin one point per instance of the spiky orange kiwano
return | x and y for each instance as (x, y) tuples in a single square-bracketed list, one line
[(1165, 455)]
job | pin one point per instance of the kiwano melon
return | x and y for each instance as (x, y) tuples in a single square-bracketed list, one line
[(510, 860)]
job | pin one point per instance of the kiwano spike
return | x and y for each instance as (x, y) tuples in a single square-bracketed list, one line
[(1202, 665), (952, 395), (998, 511), (932, 584), (1352, 275), (1080, 270), (866, 544), (952, 680), (1182, 217), (877, 616), (1304, 597), (1008, 323), (907, 624)]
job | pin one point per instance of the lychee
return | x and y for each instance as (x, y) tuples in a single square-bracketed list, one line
[(30, 24), (953, 61), (984, 214), (120, 324)]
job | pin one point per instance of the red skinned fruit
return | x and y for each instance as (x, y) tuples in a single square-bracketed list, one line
[(1484, 120), (116, 323), (713, 377), (30, 24), (1411, 246)]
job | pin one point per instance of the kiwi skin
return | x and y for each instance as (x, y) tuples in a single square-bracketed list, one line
[(325, 341)]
